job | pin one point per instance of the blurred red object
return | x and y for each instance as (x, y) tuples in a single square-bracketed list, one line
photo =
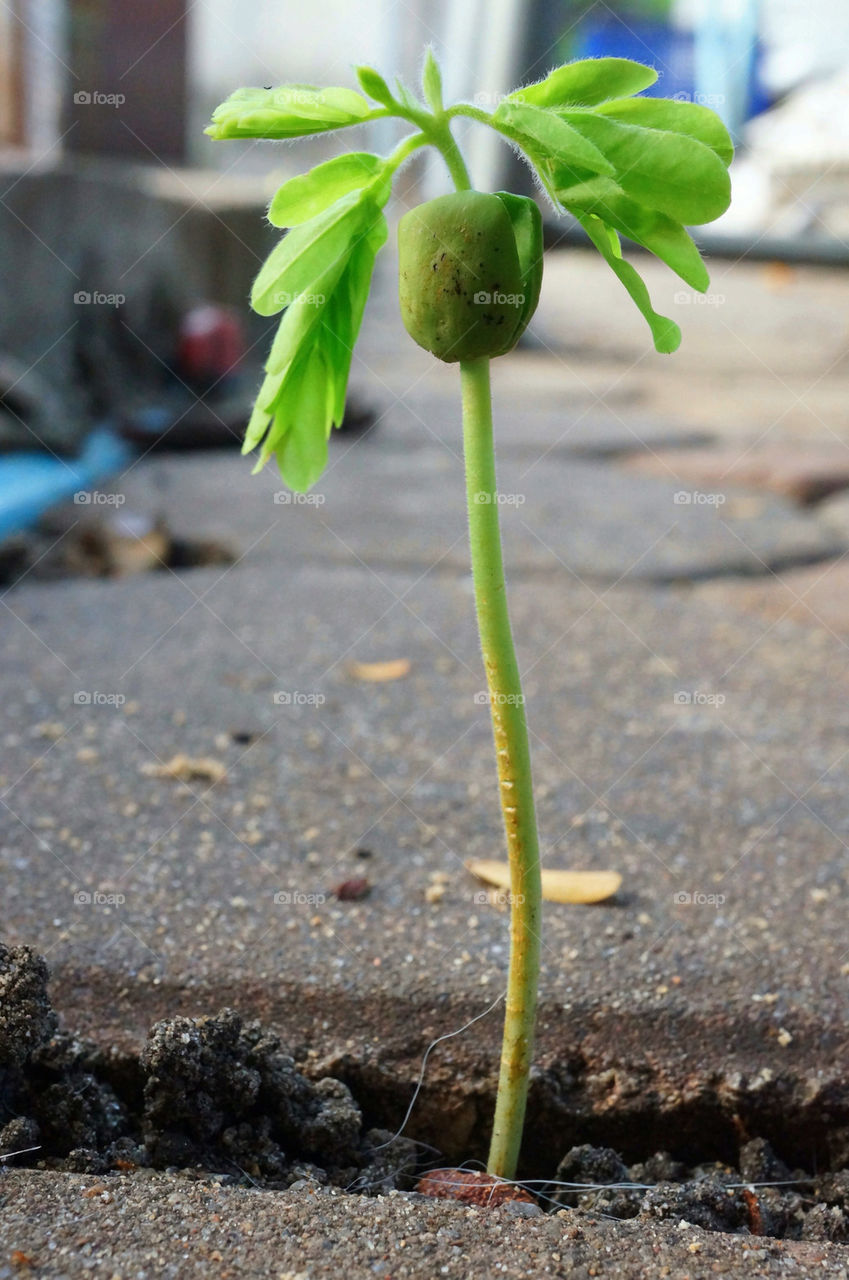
[(210, 345), (353, 890)]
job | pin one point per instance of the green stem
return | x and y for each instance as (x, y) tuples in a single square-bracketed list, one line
[(472, 113), (514, 768), (444, 139), (404, 149)]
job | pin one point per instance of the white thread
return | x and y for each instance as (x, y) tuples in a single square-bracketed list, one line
[(448, 1036)]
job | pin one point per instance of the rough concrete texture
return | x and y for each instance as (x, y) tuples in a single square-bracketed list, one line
[(801, 472), (396, 499), (159, 1226)]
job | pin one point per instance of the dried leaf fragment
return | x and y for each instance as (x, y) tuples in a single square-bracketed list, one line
[(185, 768), (557, 885), (378, 672)]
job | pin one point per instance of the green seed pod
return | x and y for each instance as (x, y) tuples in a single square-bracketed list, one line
[(470, 268)]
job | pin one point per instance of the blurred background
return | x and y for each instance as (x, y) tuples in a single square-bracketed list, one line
[(129, 239)]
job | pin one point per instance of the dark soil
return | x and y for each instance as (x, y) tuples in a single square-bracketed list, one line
[(216, 1095), (205, 1093)]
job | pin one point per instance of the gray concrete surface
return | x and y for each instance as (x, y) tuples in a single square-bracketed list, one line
[(162, 1227), (396, 499)]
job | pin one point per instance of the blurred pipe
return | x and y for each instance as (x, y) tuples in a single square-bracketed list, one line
[(566, 233), (47, 79), (500, 57), (484, 39), (389, 62), (725, 47)]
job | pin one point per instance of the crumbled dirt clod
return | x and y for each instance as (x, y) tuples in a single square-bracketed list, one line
[(833, 1188), (26, 1016), (708, 1203), (80, 1111), (207, 1092), (592, 1164), (782, 1212), (19, 1135), (759, 1163), (826, 1222), (214, 1088), (658, 1168)]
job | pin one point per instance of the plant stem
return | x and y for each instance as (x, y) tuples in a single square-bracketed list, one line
[(514, 768), (453, 157), (405, 148)]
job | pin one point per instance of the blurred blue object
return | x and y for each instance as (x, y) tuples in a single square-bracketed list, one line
[(33, 481), (716, 66), (669, 51), (725, 63)]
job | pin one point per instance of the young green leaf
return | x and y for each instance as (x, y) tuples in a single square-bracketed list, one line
[(344, 313), (665, 332), (372, 83), (526, 221), (586, 83), (305, 252), (405, 97), (676, 117), (432, 81), (290, 111), (536, 129), (663, 236), (303, 197), (301, 425), (323, 323), (671, 172), (259, 419), (301, 317)]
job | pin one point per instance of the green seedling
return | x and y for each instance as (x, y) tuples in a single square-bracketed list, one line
[(470, 272)]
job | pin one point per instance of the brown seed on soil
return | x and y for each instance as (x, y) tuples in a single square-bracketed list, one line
[(353, 890), (471, 1187)]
